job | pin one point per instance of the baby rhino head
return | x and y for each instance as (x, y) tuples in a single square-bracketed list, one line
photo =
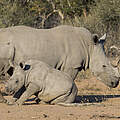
[(16, 81)]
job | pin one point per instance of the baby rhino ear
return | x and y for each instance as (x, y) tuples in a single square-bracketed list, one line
[(24, 66), (27, 67)]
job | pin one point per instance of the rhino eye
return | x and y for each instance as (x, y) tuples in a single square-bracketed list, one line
[(16, 81), (104, 66)]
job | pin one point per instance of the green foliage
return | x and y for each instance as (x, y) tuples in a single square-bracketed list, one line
[(104, 17), (35, 12), (18, 12), (12, 13), (108, 13)]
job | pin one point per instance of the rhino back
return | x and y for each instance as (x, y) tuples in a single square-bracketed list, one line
[(49, 45), (43, 74)]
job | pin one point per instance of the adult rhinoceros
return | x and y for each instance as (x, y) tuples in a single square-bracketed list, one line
[(66, 48)]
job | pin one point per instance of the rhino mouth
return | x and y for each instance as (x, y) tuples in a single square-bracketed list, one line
[(114, 84), (111, 82), (9, 92)]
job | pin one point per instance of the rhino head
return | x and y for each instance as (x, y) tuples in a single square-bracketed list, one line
[(100, 64), (16, 81)]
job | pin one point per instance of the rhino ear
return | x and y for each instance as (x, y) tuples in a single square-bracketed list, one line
[(95, 38), (24, 66), (103, 38), (100, 40)]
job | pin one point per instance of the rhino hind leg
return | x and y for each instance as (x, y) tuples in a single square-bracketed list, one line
[(72, 96), (72, 72), (69, 97), (38, 100)]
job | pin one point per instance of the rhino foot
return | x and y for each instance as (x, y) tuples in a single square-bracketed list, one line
[(37, 100), (11, 101), (3, 100)]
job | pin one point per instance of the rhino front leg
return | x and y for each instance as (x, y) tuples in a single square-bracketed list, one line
[(16, 96), (30, 90), (2, 99)]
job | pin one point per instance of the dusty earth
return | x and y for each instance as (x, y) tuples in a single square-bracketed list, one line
[(90, 91)]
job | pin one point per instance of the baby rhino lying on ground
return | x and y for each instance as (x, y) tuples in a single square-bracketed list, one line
[(48, 84)]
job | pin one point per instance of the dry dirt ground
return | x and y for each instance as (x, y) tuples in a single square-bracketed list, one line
[(90, 90)]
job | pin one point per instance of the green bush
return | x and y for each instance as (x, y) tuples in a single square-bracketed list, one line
[(104, 18), (35, 13)]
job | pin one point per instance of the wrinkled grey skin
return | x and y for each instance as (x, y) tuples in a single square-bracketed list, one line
[(48, 84), (69, 49), (5, 55)]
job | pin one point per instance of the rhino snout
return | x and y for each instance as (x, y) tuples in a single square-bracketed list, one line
[(8, 90), (115, 83)]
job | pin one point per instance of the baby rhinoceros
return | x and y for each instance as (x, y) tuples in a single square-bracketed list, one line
[(48, 84)]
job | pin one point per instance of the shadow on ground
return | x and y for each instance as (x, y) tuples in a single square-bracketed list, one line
[(94, 98), (88, 98), (82, 99)]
